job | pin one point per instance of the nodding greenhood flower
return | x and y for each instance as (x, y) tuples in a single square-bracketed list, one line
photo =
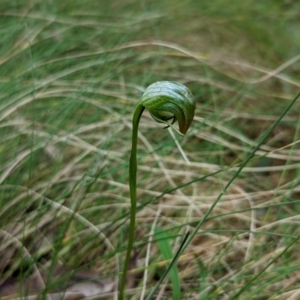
[(167, 100)]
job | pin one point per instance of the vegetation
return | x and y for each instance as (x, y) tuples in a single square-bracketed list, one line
[(72, 73)]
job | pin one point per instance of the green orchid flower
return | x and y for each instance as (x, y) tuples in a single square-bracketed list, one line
[(165, 101), (168, 100)]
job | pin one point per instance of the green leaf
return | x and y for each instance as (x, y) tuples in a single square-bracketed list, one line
[(167, 254)]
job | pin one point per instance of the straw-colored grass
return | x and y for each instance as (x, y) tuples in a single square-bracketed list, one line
[(71, 74)]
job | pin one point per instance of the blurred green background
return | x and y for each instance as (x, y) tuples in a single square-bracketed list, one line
[(71, 75)]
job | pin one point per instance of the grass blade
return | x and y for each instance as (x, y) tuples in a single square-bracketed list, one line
[(168, 270), (166, 251), (189, 238)]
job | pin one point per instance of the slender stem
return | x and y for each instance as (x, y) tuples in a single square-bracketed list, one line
[(133, 198)]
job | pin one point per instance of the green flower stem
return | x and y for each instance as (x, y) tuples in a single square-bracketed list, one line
[(133, 194), (165, 101)]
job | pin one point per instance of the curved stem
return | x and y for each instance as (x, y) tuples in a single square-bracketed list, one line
[(133, 192)]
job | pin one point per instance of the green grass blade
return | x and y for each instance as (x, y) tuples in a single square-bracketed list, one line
[(166, 252), (201, 222), (247, 285), (168, 270)]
